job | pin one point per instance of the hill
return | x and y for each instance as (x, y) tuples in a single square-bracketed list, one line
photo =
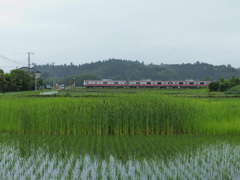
[(118, 69)]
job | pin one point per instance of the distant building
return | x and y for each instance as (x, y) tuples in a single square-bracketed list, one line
[(31, 71)]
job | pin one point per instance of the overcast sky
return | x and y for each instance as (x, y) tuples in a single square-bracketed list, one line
[(153, 31)]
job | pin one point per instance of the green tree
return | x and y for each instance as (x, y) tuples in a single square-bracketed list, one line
[(213, 86), (40, 83), (234, 81), (223, 86), (44, 75), (21, 81), (3, 83), (7, 77), (79, 79)]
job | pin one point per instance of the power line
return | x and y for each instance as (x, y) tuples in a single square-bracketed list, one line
[(11, 60)]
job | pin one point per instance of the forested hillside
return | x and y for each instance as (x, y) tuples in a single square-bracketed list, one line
[(118, 69)]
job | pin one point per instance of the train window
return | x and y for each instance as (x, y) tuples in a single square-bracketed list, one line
[(169, 82), (180, 83), (115, 82), (159, 82), (201, 82), (148, 82), (191, 83), (105, 82), (137, 82)]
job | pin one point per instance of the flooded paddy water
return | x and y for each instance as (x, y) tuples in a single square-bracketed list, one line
[(119, 157), (119, 135)]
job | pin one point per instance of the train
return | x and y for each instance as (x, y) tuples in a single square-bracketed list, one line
[(144, 84)]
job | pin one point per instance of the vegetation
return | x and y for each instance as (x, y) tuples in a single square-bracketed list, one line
[(118, 113), (224, 85), (119, 134), (76, 80), (234, 90), (17, 80), (119, 157), (118, 69)]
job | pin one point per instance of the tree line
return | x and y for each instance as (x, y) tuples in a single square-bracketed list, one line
[(74, 80), (17, 80), (118, 69), (223, 84)]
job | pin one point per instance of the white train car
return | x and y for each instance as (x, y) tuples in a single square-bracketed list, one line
[(105, 83), (165, 84), (144, 84)]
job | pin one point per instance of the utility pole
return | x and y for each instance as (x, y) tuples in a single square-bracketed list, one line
[(34, 64), (53, 74), (29, 53)]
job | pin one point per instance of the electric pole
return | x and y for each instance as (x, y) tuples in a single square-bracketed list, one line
[(53, 74), (29, 53), (34, 64)]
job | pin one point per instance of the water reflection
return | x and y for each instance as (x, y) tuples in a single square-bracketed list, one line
[(219, 161), (123, 148)]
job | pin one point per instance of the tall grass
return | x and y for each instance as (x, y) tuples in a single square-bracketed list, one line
[(128, 114), (220, 116), (132, 114)]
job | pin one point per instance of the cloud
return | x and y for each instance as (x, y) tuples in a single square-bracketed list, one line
[(10, 10), (155, 31)]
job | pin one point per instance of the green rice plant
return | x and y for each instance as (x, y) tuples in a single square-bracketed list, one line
[(220, 116), (145, 112)]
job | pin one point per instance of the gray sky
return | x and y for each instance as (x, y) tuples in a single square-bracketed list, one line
[(153, 31)]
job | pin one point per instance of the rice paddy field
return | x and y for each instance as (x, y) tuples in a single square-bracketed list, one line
[(120, 134)]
